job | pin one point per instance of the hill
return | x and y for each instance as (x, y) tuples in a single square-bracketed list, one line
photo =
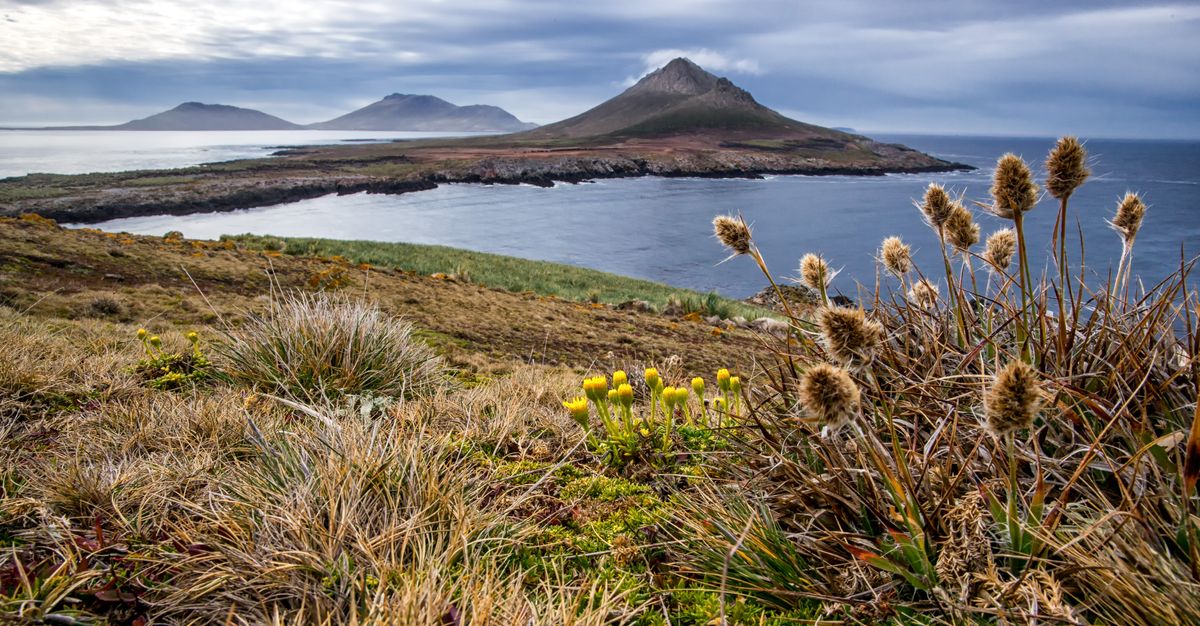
[(425, 113), (200, 116), (681, 98)]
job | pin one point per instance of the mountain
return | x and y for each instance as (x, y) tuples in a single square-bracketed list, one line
[(425, 113), (681, 98), (199, 116)]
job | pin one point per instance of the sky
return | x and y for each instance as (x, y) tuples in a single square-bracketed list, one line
[(1013, 67)]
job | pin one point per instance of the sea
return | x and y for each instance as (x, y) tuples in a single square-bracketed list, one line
[(660, 228)]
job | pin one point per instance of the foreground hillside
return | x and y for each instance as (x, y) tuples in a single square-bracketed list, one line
[(972, 445)]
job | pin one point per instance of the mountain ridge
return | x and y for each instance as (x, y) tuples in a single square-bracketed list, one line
[(422, 112)]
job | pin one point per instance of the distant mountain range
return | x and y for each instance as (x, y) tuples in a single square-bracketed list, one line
[(397, 112), (199, 116), (425, 113)]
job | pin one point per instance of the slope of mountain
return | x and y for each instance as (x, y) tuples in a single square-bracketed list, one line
[(199, 116), (424, 113), (682, 98)]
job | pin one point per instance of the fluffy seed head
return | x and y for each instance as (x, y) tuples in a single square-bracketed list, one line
[(1014, 399), (831, 395), (1128, 219), (814, 272), (1066, 167), (936, 206), (961, 230), (1013, 189), (923, 294), (896, 256), (1001, 246), (733, 233), (849, 336)]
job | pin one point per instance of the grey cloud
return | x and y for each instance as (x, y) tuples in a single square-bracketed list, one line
[(1014, 67)]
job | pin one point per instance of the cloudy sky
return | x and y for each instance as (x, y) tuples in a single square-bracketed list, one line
[(1091, 67)]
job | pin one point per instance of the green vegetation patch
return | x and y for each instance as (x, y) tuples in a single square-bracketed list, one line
[(505, 272)]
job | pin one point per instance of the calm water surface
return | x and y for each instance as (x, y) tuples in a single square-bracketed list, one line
[(85, 151), (659, 228)]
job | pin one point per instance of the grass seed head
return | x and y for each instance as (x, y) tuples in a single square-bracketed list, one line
[(1066, 167), (733, 233), (830, 394), (1000, 248), (924, 294), (1013, 190), (896, 256), (936, 206), (961, 230), (814, 272), (1014, 399), (1128, 220), (849, 336)]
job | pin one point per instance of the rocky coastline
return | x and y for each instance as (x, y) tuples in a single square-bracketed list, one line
[(281, 180)]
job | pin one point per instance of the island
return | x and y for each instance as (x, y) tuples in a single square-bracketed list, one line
[(678, 121)]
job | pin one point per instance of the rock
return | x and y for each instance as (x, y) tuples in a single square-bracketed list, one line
[(739, 321), (640, 306), (797, 295), (770, 325), (712, 320)]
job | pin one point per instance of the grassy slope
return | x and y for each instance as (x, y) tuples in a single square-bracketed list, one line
[(506, 272), (151, 486)]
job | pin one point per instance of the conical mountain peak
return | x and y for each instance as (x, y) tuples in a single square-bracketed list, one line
[(680, 76)]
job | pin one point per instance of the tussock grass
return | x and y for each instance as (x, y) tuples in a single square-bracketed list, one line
[(1022, 450), (311, 346)]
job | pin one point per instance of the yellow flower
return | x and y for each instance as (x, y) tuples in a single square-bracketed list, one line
[(645, 432), (619, 378), (141, 334), (578, 408), (652, 378), (735, 384), (668, 395), (698, 386), (595, 388), (719, 404), (681, 395), (612, 395), (155, 341), (625, 394), (193, 336), (723, 379)]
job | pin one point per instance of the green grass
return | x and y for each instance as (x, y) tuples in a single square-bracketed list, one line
[(506, 272)]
